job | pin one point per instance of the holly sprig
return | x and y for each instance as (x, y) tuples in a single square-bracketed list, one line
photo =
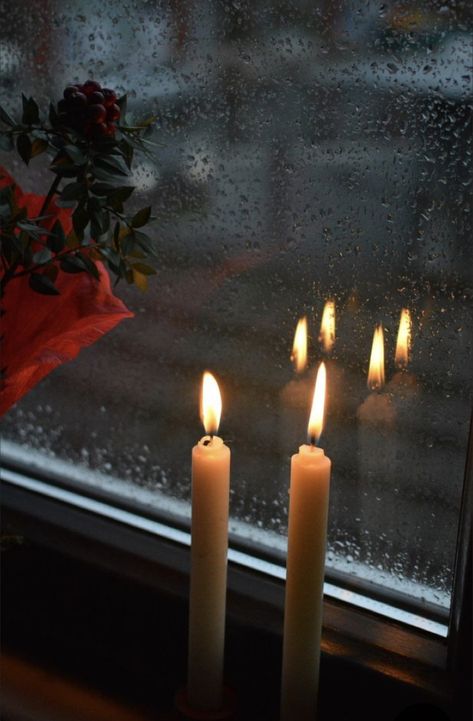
[(92, 175)]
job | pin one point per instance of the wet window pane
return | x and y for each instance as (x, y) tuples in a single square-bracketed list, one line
[(307, 152)]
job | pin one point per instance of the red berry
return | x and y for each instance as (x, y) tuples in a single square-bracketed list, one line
[(110, 129), (113, 113), (96, 98), (90, 86), (110, 97), (96, 113), (100, 129), (69, 91), (78, 100)]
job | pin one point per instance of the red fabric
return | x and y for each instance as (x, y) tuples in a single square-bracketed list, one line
[(40, 332)]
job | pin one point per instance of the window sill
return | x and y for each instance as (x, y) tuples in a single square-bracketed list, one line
[(157, 558)]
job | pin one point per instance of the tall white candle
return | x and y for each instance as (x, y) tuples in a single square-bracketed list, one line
[(307, 533), (209, 545)]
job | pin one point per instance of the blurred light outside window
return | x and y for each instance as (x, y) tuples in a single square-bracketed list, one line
[(308, 152)]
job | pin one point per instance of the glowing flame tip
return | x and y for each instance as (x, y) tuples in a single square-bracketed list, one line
[(316, 419), (210, 403)]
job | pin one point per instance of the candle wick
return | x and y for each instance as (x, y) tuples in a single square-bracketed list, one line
[(209, 440), (312, 441)]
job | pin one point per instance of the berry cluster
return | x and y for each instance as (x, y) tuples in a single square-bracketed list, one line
[(89, 109)]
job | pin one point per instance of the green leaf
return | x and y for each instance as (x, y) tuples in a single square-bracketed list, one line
[(11, 245), (30, 111), (90, 266), (121, 193), (107, 177), (106, 222), (98, 220), (75, 154), (41, 256), (42, 284), (80, 220), (141, 217), (57, 240), (145, 242), (149, 121), (73, 191), (38, 146), (112, 258), (96, 230), (23, 145), (6, 142), (144, 269), (117, 199), (127, 243), (6, 117), (32, 228), (140, 280), (73, 264), (112, 164), (127, 150), (39, 133)]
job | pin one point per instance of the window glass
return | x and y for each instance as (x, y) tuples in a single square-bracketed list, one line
[(307, 152)]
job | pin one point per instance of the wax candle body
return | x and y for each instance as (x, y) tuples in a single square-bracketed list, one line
[(308, 510), (210, 498), (377, 475)]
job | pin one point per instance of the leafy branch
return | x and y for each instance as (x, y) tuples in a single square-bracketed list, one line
[(91, 158)]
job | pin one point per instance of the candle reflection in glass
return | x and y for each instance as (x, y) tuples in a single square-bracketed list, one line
[(403, 383), (335, 372), (376, 446), (295, 396), (327, 327)]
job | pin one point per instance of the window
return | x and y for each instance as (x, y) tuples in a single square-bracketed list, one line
[(307, 152)]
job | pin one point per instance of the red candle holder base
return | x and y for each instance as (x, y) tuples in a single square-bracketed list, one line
[(194, 714)]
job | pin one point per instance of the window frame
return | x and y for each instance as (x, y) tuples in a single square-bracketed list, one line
[(152, 548)]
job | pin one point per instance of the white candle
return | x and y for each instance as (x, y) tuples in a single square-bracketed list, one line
[(307, 533), (210, 498)]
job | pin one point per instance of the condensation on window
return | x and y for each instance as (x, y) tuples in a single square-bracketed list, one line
[(306, 152)]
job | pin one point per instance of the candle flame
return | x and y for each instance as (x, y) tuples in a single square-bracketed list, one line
[(210, 403), (327, 327), (404, 339), (376, 369), (316, 419), (299, 347)]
